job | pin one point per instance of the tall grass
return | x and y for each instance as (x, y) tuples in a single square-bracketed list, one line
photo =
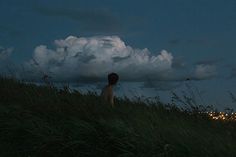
[(42, 121)]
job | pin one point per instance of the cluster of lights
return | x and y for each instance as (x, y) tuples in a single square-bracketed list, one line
[(222, 116)]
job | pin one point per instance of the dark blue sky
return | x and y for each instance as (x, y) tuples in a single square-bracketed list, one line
[(193, 29), (196, 32)]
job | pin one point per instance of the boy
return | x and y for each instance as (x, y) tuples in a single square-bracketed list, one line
[(107, 92)]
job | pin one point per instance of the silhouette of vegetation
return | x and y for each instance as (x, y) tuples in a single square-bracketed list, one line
[(43, 121), (233, 97)]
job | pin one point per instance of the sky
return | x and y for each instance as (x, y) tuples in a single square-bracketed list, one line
[(156, 46)]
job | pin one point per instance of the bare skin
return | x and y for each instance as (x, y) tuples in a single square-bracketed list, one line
[(107, 94)]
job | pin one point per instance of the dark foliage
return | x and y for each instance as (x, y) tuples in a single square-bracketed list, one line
[(41, 121)]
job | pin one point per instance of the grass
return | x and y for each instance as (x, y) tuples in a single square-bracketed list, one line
[(39, 121)]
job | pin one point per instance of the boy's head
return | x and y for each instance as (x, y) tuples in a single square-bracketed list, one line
[(113, 78)]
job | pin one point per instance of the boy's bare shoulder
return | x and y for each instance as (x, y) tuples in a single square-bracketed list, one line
[(107, 88)]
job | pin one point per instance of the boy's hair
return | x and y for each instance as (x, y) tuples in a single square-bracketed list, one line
[(112, 78)]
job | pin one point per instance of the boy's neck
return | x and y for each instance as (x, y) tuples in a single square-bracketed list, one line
[(109, 85)]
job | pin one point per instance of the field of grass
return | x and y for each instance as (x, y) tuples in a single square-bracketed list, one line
[(39, 121)]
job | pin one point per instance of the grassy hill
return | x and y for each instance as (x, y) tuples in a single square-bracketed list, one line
[(45, 122)]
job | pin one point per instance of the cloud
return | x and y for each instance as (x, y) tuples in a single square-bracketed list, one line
[(205, 71), (178, 63), (92, 58), (5, 62), (5, 52), (233, 73), (90, 20), (161, 85)]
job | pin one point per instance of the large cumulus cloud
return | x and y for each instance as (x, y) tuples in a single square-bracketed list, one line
[(92, 58), (82, 58)]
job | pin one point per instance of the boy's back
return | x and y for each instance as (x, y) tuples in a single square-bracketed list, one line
[(107, 94)]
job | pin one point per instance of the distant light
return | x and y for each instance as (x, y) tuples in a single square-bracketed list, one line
[(222, 116)]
